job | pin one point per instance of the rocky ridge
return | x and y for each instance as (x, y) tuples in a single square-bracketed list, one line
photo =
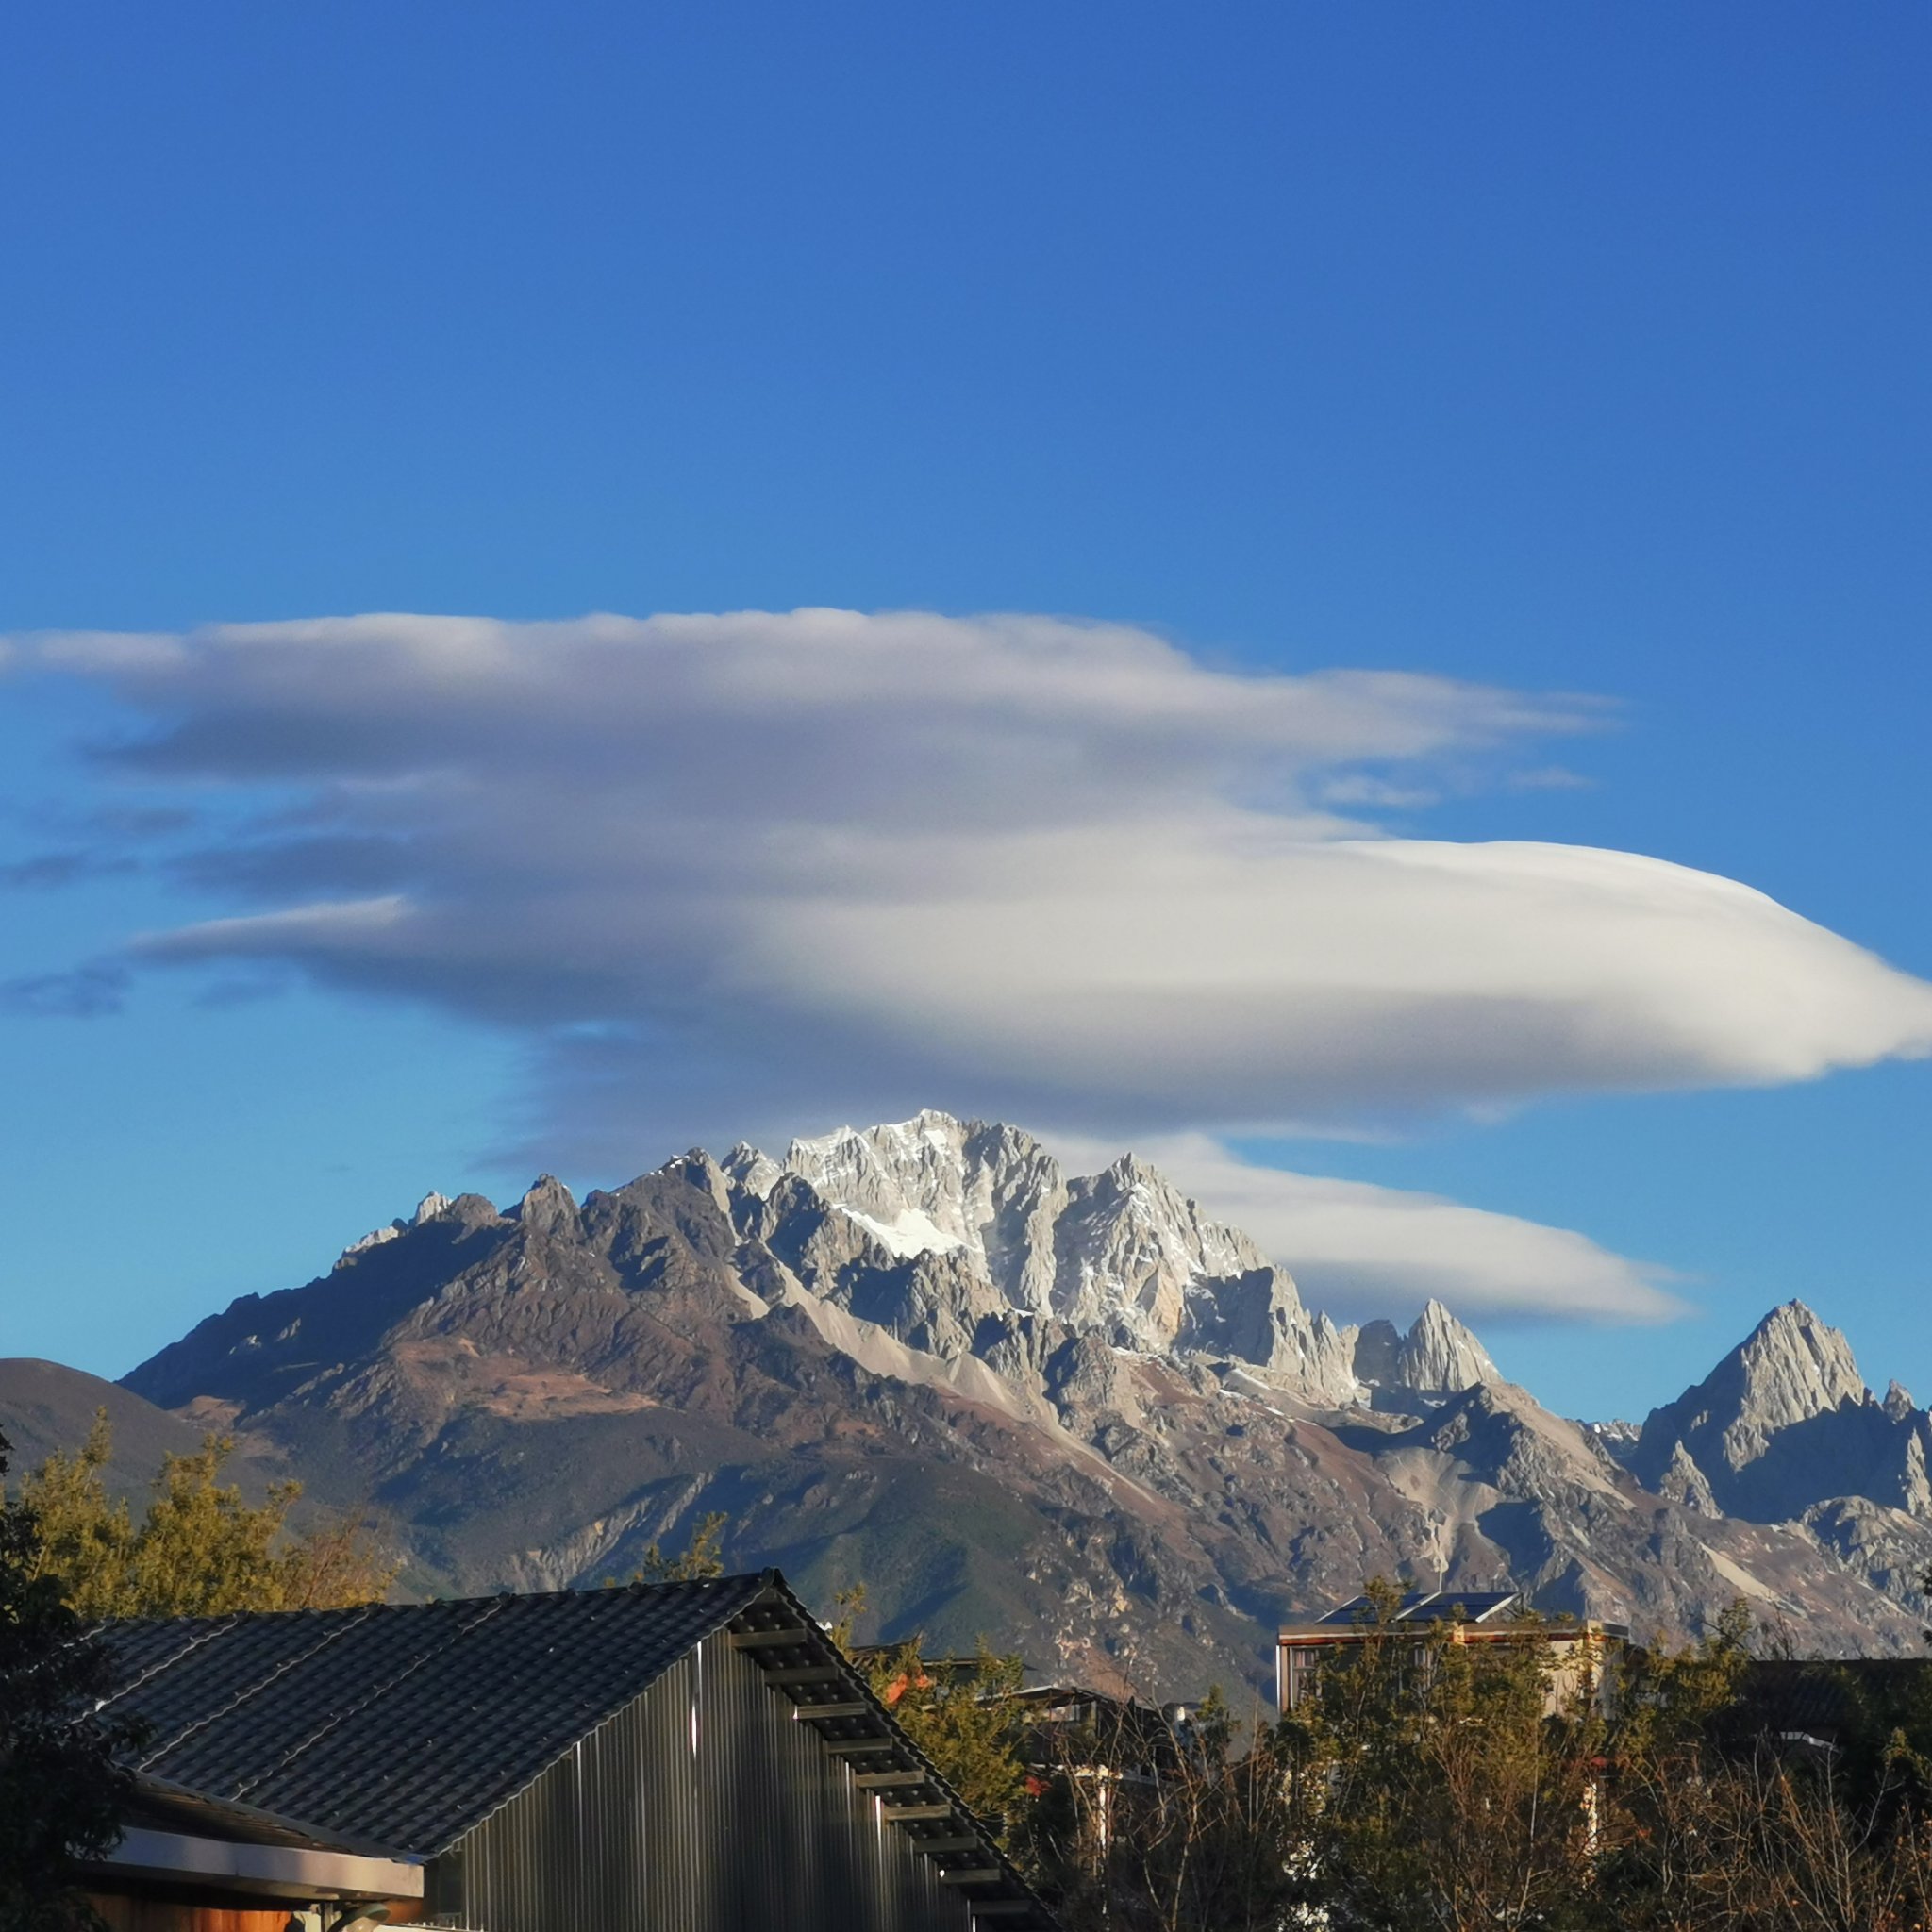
[(1122, 1254), (1073, 1412)]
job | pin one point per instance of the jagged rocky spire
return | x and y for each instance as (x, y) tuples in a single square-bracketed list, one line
[(1784, 1423), (1123, 1253)]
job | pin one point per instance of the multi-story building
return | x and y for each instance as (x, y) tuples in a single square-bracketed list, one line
[(1578, 1651)]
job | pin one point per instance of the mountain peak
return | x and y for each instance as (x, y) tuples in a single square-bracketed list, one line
[(1123, 1251), (755, 1173), (1793, 1365), (548, 1207), (981, 1227), (1758, 1426), (1038, 1355), (1438, 1352)]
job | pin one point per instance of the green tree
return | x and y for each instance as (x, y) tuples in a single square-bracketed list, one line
[(1442, 1783), (960, 1711), (86, 1539), (704, 1554), (201, 1549), (61, 1789), (848, 1606), (1677, 1819), (1137, 1825), (1443, 1780)]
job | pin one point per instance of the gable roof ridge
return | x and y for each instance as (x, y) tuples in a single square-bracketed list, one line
[(475, 1728)]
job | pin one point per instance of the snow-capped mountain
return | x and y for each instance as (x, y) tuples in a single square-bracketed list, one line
[(1117, 1250), (1123, 1253), (1072, 1411), (991, 1246)]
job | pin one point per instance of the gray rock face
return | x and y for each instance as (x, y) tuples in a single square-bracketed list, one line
[(1683, 1482), (1437, 1359), (1128, 1247), (1258, 1318), (1122, 1254), (756, 1173), (1891, 1547), (1438, 1353), (1785, 1424), (427, 1209), (1791, 1369), (549, 1209), (1377, 1353)]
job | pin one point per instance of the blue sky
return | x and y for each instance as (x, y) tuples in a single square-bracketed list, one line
[(1555, 350)]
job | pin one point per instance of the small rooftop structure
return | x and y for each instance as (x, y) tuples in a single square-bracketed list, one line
[(1464, 1615)]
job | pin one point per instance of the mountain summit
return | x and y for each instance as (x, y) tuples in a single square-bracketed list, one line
[(1073, 1412), (1784, 1426), (1123, 1253)]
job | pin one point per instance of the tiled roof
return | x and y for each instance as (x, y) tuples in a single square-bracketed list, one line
[(469, 1702)]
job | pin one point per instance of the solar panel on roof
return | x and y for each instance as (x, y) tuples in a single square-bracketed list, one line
[(1472, 1605), (1356, 1608), (1345, 1613)]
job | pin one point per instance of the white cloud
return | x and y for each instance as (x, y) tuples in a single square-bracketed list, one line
[(1358, 1250), (1057, 870)]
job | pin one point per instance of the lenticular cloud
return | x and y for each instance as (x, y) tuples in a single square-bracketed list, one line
[(1050, 866)]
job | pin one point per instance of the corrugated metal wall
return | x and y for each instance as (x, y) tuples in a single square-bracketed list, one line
[(702, 1808)]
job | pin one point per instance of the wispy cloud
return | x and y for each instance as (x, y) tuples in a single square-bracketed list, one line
[(1548, 778), (50, 871), (1358, 789), (78, 992)]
